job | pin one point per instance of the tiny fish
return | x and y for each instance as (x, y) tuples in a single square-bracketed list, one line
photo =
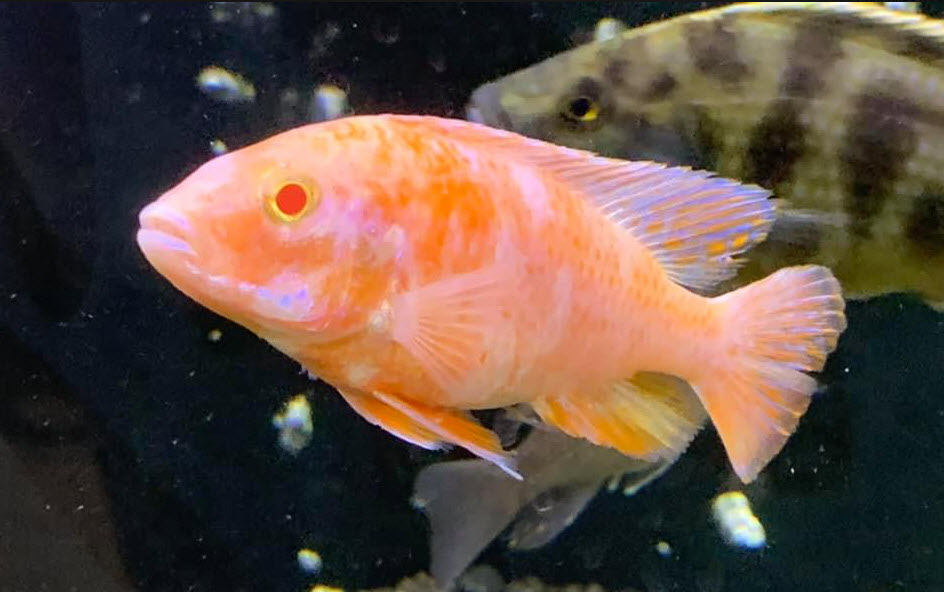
[(327, 102), (309, 560), (224, 86), (294, 424), (737, 522), (426, 267), (607, 28), (218, 147), (836, 107)]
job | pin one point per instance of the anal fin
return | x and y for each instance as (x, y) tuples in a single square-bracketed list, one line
[(651, 416), (455, 427), (430, 427), (397, 423)]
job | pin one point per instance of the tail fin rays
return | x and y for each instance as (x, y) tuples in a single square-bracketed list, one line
[(783, 326)]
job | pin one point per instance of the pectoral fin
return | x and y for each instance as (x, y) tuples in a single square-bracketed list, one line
[(455, 328), (549, 514)]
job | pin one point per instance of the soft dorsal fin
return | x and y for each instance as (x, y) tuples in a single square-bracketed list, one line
[(694, 223), (869, 23)]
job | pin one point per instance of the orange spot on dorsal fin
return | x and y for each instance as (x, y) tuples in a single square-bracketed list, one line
[(778, 328), (695, 224), (650, 416)]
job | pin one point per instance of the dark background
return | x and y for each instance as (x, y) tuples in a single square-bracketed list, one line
[(134, 453)]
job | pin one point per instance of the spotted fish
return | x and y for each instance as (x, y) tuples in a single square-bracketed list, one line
[(836, 107)]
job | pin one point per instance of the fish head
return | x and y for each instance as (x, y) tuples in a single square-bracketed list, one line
[(599, 97), (275, 237)]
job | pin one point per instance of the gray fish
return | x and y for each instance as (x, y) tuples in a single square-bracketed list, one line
[(470, 502), (837, 107)]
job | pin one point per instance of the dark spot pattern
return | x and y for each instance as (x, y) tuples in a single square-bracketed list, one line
[(925, 225), (899, 40), (714, 50), (921, 48), (615, 71), (661, 87), (624, 63), (707, 139), (881, 137), (778, 142), (814, 53)]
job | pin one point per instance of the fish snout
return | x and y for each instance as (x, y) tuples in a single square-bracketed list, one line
[(164, 232), (484, 107)]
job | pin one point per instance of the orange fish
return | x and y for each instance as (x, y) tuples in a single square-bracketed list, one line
[(426, 267)]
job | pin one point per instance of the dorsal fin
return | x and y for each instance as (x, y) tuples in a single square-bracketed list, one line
[(694, 223), (908, 33)]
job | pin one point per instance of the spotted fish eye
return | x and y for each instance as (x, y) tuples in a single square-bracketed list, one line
[(291, 199), (582, 109)]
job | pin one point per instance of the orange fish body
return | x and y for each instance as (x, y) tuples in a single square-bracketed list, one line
[(425, 267)]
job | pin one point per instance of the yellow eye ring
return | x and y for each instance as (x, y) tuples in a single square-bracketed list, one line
[(583, 109), (291, 200)]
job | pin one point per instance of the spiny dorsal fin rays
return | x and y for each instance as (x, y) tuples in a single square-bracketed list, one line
[(863, 22), (695, 224), (866, 12)]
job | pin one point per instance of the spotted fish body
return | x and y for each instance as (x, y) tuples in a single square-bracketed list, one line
[(836, 107)]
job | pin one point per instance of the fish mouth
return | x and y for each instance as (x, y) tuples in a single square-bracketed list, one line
[(474, 114), (163, 234), (163, 238), (484, 107)]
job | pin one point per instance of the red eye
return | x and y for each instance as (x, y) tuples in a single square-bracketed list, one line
[(288, 197), (291, 200)]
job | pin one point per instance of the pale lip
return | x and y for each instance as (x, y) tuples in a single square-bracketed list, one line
[(484, 107), (163, 234)]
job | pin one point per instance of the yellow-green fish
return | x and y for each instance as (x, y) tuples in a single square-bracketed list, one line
[(837, 107)]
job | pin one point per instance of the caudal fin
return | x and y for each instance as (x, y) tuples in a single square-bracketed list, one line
[(778, 329)]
